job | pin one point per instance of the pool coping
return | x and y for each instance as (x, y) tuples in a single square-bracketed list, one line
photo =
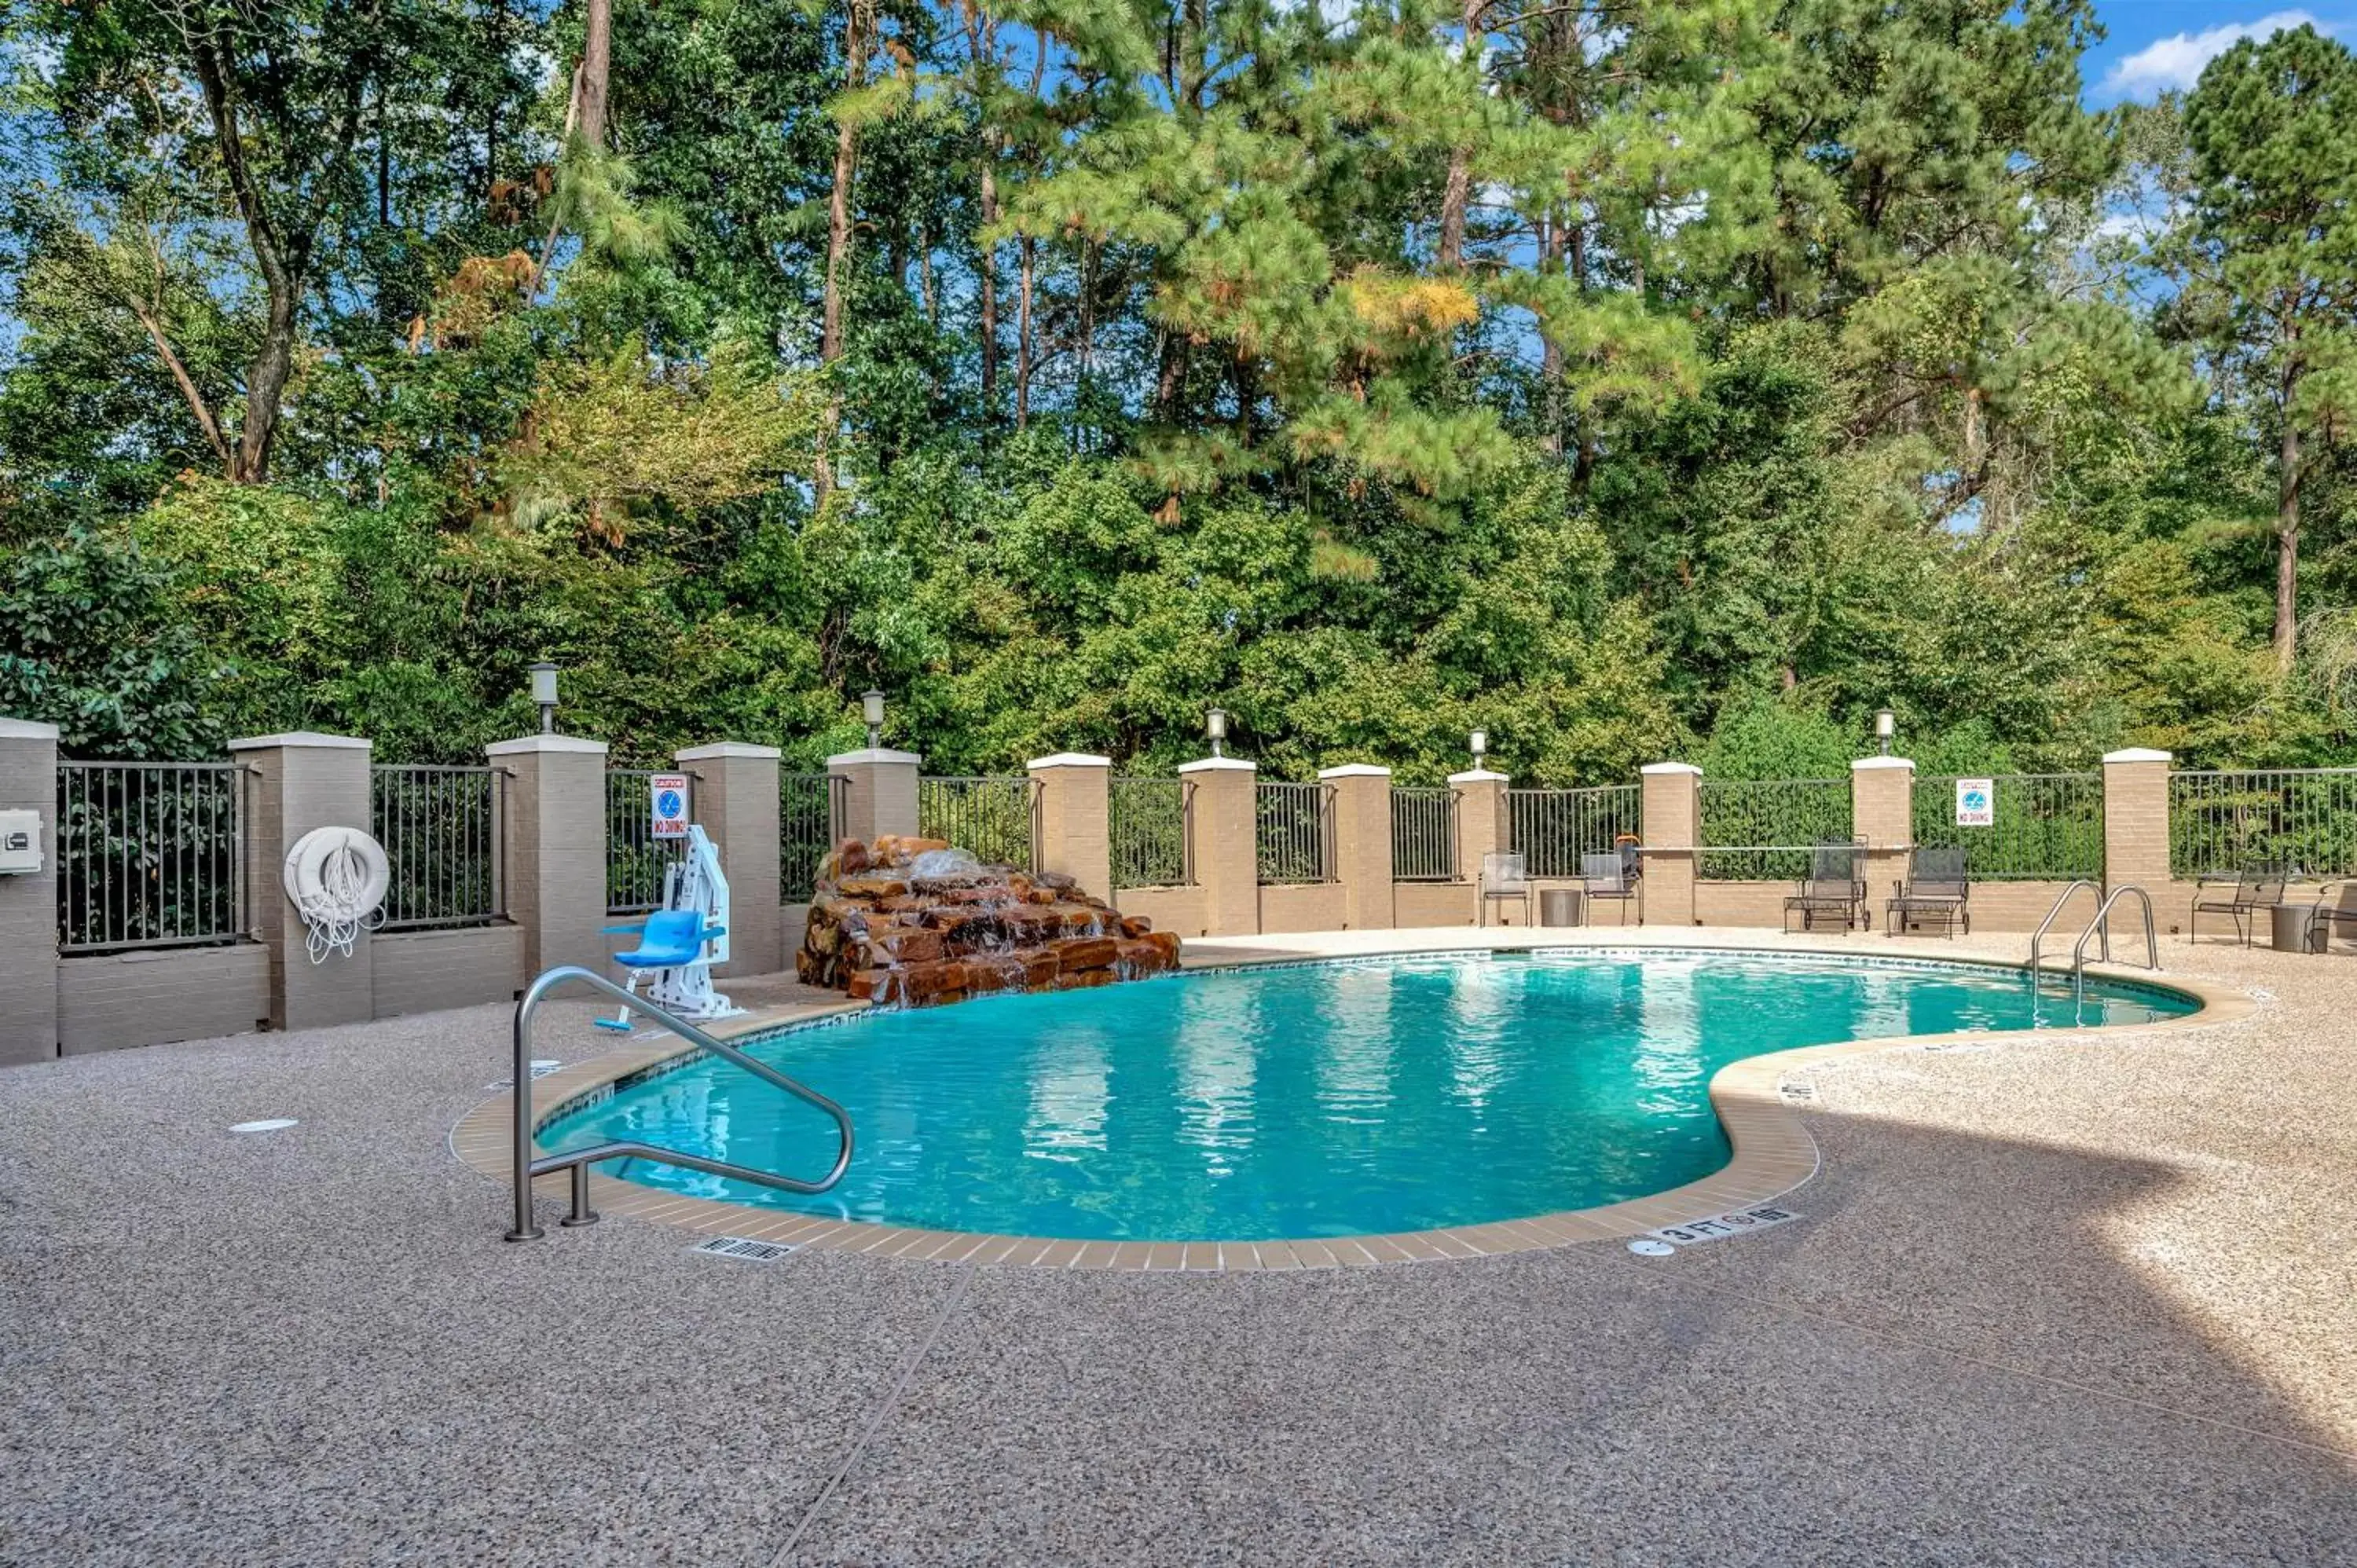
[(1773, 1152)]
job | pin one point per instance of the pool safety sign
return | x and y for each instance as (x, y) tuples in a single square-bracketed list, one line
[(1976, 802), (667, 795), (1694, 1232)]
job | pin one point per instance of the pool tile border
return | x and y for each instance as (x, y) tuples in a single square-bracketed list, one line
[(1773, 1152)]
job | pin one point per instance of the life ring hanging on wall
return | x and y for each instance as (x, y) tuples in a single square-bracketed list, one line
[(336, 878)]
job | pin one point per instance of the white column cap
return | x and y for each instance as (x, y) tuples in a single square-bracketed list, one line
[(1354, 770), (27, 729), (1876, 763), (2138, 753), (1670, 768), (1219, 764), (876, 754), (720, 750), (302, 737), (524, 744), (1069, 759)]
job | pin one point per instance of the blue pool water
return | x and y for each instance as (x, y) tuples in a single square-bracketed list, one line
[(1312, 1099)]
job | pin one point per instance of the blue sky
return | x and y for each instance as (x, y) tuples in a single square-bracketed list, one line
[(2157, 45)]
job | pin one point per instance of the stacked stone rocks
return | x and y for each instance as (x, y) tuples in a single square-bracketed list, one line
[(911, 920)]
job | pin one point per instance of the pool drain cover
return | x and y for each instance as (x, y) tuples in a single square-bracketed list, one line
[(742, 1249), (1646, 1247)]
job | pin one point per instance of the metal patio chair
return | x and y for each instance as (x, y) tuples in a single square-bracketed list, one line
[(1939, 889), (2248, 895), (1612, 878), (1835, 886), (1504, 876)]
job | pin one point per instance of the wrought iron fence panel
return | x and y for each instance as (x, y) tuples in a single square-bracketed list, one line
[(150, 854), (2048, 826), (1423, 834), (636, 859), (1551, 828), (1148, 826), (994, 818), (2277, 818), (1760, 829), (810, 819), (440, 828), (1293, 827)]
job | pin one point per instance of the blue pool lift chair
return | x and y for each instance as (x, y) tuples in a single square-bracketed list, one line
[(671, 938)]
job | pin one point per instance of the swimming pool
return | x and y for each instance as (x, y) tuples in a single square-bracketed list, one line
[(1298, 1100)]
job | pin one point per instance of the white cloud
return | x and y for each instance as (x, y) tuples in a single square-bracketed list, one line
[(2174, 64)]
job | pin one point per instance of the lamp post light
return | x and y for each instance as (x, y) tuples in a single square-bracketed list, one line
[(1886, 724), (1480, 742), (543, 691), (1215, 725), (871, 703)]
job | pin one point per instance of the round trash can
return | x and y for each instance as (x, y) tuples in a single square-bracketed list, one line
[(1558, 905), (2296, 929)]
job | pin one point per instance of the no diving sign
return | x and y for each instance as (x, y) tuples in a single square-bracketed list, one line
[(1694, 1232), (667, 796)]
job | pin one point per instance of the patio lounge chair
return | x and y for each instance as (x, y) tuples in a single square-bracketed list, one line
[(1939, 890), (1611, 878), (1505, 877), (1835, 886), (2244, 897)]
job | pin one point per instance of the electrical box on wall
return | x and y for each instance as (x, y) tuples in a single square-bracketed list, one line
[(20, 842)]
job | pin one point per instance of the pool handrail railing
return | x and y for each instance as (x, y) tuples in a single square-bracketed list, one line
[(578, 1161)]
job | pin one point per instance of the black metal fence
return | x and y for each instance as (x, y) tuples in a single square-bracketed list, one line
[(2277, 818), (2047, 826), (1553, 827), (150, 854), (1754, 829), (440, 828), (994, 818), (1292, 832), (636, 859), (1149, 832), (1423, 834)]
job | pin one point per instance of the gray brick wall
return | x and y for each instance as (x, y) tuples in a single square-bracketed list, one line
[(28, 905), (159, 994), (424, 972)]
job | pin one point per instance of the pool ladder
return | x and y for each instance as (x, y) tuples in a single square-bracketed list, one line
[(2099, 928), (578, 1161)]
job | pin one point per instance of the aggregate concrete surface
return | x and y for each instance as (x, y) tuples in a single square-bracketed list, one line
[(2068, 1299)]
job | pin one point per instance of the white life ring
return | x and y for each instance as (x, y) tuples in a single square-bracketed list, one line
[(336, 878)]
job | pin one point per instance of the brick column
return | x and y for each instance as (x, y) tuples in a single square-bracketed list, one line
[(1672, 828), (554, 848), (301, 782), (1483, 825), (2136, 819), (1362, 844), (879, 792), (736, 799), (28, 900), (1882, 812), (1076, 819), (1224, 847)]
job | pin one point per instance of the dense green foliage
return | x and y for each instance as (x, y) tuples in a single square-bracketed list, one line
[(1648, 378)]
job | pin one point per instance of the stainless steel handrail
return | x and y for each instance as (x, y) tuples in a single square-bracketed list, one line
[(578, 1161), (2103, 923), (2055, 913)]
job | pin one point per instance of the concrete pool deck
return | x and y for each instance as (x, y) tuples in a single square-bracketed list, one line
[(2058, 1298)]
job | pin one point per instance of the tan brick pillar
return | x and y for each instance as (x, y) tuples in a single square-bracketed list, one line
[(1222, 843), (1672, 825), (1075, 819), (736, 801), (1882, 812), (2136, 819), (301, 782), (28, 900), (1483, 826), (552, 848), (879, 791), (1362, 844)]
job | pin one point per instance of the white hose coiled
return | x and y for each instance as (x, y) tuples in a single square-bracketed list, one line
[(336, 878)]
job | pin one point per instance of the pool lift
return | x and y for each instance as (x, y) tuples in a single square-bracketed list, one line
[(681, 941)]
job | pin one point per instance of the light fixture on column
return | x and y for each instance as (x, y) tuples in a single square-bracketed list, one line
[(1215, 725), (1480, 743), (543, 691), (871, 702), (1886, 724)]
